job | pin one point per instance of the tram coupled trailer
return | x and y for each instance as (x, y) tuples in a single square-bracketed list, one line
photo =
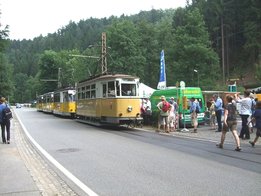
[(64, 102), (48, 102), (108, 100), (39, 103)]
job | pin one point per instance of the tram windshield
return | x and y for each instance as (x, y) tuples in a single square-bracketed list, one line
[(128, 89)]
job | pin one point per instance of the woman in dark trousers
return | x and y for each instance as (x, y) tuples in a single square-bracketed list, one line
[(218, 110), (5, 123), (245, 112)]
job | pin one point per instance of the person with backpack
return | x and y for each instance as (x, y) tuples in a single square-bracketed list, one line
[(194, 110), (164, 108), (5, 116)]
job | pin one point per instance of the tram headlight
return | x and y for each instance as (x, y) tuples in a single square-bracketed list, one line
[(129, 108)]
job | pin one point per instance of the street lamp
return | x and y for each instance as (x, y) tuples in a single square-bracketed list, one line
[(195, 70)]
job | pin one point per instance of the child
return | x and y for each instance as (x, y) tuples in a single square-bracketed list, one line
[(257, 118)]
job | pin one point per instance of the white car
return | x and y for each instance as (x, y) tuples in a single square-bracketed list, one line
[(18, 105)]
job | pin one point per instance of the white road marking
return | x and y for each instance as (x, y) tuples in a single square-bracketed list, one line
[(58, 165)]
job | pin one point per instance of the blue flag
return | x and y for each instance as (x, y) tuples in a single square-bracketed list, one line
[(162, 80)]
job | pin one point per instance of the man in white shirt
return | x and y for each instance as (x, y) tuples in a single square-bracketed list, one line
[(245, 112)]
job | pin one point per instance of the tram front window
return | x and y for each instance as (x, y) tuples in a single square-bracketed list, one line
[(128, 89)]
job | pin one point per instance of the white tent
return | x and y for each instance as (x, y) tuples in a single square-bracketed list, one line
[(145, 91)]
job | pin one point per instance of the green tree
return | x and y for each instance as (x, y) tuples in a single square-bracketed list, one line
[(50, 64), (149, 49), (126, 55), (20, 87), (193, 50), (32, 87), (6, 85), (6, 76)]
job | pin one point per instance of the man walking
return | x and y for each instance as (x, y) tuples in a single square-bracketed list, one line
[(194, 115), (218, 110), (245, 112)]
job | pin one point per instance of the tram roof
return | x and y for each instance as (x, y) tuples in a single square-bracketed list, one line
[(107, 77), (65, 88)]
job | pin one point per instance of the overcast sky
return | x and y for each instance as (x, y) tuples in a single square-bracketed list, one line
[(30, 18)]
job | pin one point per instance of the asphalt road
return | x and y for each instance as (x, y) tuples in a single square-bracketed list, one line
[(133, 162)]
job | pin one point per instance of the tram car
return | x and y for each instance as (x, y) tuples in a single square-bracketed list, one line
[(39, 103), (64, 102), (108, 100), (48, 102)]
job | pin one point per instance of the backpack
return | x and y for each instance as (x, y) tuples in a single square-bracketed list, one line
[(231, 115), (7, 113), (197, 108), (165, 106)]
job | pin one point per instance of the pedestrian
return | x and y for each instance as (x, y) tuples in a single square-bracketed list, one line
[(253, 105), (193, 114), (163, 120), (172, 115), (230, 122), (146, 108), (218, 111), (212, 115), (5, 123), (245, 112), (257, 118)]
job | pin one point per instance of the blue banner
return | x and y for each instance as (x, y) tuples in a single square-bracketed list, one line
[(162, 80)]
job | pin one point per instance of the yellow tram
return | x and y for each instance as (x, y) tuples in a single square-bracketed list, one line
[(108, 99), (39, 103), (48, 104), (64, 102)]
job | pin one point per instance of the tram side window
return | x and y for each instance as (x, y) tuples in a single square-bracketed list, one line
[(128, 89), (88, 92), (57, 97), (104, 90), (93, 91), (71, 97), (118, 88), (83, 92), (111, 89), (79, 94), (65, 97)]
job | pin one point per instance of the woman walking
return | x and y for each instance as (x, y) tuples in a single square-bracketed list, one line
[(230, 123)]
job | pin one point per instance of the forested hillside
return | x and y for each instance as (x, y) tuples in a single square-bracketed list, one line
[(221, 39)]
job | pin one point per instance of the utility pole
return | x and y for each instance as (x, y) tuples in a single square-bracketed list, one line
[(104, 54), (59, 85), (223, 49)]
